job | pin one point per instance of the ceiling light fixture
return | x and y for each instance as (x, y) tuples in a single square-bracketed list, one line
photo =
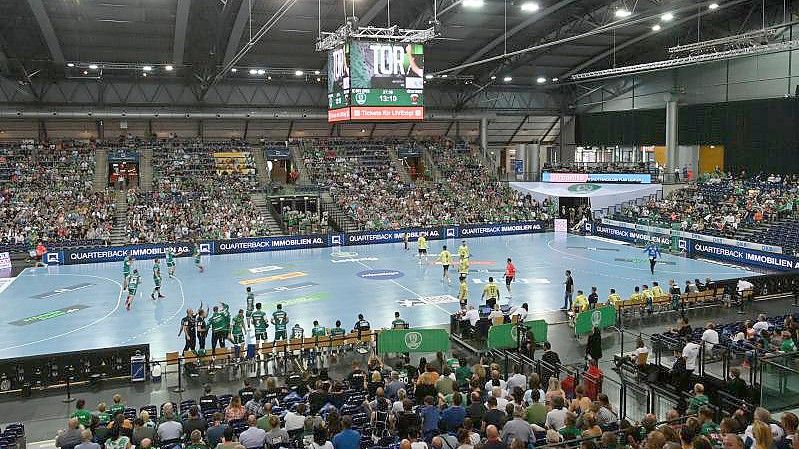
[(169, 68), (555, 80), (428, 76), (269, 77), (541, 80), (623, 12), (713, 6), (473, 3), (261, 71), (253, 72), (667, 17), (299, 73), (234, 70), (69, 64), (316, 72), (93, 66), (507, 79), (147, 68), (530, 7), (656, 27), (493, 77)]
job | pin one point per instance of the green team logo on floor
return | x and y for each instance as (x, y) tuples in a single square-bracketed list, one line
[(584, 188), (413, 340)]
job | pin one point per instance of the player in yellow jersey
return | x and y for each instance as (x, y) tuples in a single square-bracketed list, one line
[(613, 297), (463, 251), (421, 243), (580, 302), (445, 257), (463, 293), (490, 293), (463, 268)]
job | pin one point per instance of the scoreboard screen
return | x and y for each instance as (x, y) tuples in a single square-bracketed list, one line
[(375, 81)]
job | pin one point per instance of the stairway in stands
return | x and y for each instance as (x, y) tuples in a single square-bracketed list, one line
[(100, 170), (297, 160), (398, 166), (261, 168), (120, 219), (261, 201), (146, 169), (342, 221), (430, 165)]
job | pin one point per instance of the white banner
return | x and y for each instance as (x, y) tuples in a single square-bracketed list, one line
[(5, 260), (561, 226), (693, 236)]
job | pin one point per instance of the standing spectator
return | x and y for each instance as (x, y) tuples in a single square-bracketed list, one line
[(593, 348), (476, 410), (691, 353), (430, 418), (493, 416), (452, 417), (518, 429), (568, 291), (536, 412)]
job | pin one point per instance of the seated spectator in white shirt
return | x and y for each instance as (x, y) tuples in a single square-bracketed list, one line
[(710, 337), (295, 420), (761, 324)]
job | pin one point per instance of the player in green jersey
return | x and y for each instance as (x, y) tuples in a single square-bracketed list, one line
[(219, 322), (133, 284), (318, 331), (445, 257), (259, 323), (280, 320), (297, 332), (237, 330), (398, 322), (198, 258), (170, 261), (156, 280), (127, 266), (250, 305)]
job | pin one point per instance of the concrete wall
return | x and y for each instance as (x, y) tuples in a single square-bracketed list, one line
[(765, 76)]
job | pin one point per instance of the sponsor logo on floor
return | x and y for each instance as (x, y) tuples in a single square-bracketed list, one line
[(285, 288), (380, 275), (428, 300), (277, 277), (49, 315), (60, 290)]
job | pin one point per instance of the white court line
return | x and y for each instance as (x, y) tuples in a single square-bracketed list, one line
[(406, 288), (182, 304), (78, 329)]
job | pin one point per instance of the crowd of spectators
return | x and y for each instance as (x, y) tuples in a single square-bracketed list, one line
[(46, 196), (721, 204), (194, 198), (440, 404), (365, 185), (304, 222)]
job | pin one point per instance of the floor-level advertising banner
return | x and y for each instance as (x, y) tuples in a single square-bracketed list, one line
[(602, 317), (503, 336), (71, 256), (412, 340), (740, 256)]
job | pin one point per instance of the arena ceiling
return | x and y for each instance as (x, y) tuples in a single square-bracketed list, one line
[(39, 37), (47, 49)]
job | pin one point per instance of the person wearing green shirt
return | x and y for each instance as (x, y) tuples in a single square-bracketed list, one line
[(102, 414), (118, 406), (170, 261), (536, 413), (84, 416), (198, 258), (398, 322), (280, 320), (787, 345), (127, 266), (133, 285), (698, 400), (318, 331), (259, 323), (238, 328), (156, 280), (219, 322)]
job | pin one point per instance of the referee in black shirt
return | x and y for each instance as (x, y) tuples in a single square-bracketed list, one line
[(188, 327)]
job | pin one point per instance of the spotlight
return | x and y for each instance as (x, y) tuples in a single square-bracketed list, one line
[(713, 6), (147, 68), (656, 27), (667, 17), (69, 64), (445, 76), (93, 66), (261, 71), (318, 79), (530, 7), (623, 12), (169, 68), (507, 79), (234, 70), (541, 80), (299, 73), (555, 80), (473, 3), (316, 72), (85, 72), (253, 72), (493, 77), (144, 74), (269, 77)]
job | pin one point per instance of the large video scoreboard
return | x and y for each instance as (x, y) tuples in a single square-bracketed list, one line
[(375, 81)]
